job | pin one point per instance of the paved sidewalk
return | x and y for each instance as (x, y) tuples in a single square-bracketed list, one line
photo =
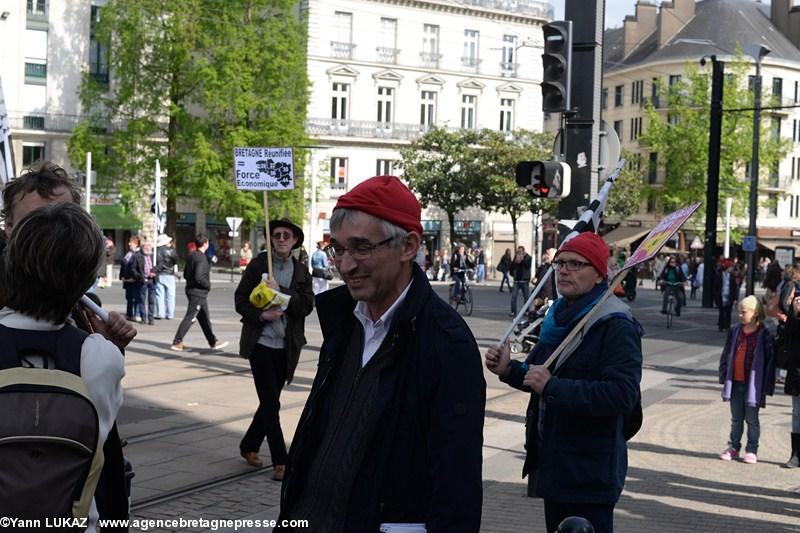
[(675, 481)]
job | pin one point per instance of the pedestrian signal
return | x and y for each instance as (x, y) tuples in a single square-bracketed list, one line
[(544, 179)]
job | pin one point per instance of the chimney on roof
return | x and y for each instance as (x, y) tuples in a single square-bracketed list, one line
[(637, 27), (672, 17), (779, 15)]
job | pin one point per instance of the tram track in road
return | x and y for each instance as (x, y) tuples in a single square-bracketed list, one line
[(192, 488)]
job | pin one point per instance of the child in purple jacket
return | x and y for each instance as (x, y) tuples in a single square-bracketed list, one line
[(747, 373)]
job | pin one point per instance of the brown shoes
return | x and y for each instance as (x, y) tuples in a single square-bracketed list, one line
[(279, 472), (252, 459)]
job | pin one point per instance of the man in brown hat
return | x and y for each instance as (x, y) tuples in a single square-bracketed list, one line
[(272, 338), (393, 428)]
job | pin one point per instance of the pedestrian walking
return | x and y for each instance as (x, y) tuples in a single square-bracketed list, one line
[(149, 286), (445, 270), (272, 338), (504, 266), (747, 376), (480, 267), (166, 269), (393, 428), (245, 255), (197, 274), (521, 272), (132, 275), (726, 294), (792, 384), (577, 416), (110, 259), (320, 272), (548, 290)]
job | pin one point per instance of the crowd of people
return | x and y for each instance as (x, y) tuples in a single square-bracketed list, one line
[(392, 431)]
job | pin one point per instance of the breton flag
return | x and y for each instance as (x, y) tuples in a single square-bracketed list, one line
[(589, 221), (6, 151)]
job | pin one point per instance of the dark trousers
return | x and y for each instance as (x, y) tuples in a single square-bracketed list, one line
[(601, 516), (724, 321), (133, 298), (269, 374), (197, 309), (505, 281), (148, 299)]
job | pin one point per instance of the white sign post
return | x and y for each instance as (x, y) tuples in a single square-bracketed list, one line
[(264, 169), (233, 223)]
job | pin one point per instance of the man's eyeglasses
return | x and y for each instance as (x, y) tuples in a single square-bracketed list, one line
[(282, 235), (359, 251), (570, 265)]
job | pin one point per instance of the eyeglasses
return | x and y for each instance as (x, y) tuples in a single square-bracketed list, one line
[(360, 251), (571, 265), (282, 235)]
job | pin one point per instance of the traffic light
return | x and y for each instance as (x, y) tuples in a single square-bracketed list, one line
[(544, 179), (556, 62)]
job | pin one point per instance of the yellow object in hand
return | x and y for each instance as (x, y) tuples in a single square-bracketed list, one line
[(263, 297)]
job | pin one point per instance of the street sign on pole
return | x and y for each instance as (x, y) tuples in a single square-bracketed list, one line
[(749, 243), (233, 223)]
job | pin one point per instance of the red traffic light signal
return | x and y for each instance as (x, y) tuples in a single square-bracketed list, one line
[(544, 179)]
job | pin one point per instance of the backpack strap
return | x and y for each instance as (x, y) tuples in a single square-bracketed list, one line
[(63, 346)]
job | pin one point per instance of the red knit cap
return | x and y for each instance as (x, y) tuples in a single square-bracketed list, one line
[(592, 247), (385, 197)]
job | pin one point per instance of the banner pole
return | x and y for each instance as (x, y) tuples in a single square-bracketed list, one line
[(268, 234)]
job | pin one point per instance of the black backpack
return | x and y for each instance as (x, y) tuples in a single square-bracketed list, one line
[(49, 429)]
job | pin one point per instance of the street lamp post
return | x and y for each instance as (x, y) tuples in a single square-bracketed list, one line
[(758, 51)]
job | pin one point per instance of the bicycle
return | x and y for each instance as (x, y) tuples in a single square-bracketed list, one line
[(672, 289), (464, 300)]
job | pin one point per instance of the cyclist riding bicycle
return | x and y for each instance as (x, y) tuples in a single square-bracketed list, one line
[(672, 279), (459, 264)]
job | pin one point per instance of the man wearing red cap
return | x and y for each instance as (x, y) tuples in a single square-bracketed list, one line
[(393, 428), (576, 446)]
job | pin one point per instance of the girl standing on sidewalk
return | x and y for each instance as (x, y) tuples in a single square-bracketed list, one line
[(747, 373)]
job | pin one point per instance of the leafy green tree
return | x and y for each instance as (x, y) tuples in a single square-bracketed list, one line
[(628, 191), (680, 137), (191, 80), (443, 168), (498, 160)]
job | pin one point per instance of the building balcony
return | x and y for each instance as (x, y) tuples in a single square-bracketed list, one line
[(537, 8), (341, 50), (387, 55), (429, 59), (36, 70), (57, 123), (508, 70), (470, 64), (368, 129)]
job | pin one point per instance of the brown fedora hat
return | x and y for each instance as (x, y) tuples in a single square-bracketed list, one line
[(286, 223)]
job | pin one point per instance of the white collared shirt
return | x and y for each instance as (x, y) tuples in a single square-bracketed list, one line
[(375, 332)]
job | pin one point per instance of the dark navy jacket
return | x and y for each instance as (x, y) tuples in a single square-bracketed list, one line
[(582, 456), (424, 463)]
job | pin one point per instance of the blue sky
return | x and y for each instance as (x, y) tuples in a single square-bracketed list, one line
[(615, 10)]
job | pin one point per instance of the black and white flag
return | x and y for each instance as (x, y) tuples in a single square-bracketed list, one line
[(6, 152)]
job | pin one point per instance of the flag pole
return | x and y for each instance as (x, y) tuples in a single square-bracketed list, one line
[(157, 213), (268, 235), (589, 221), (89, 182)]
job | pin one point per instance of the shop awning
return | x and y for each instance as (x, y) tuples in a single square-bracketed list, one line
[(772, 243), (625, 235), (115, 217)]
